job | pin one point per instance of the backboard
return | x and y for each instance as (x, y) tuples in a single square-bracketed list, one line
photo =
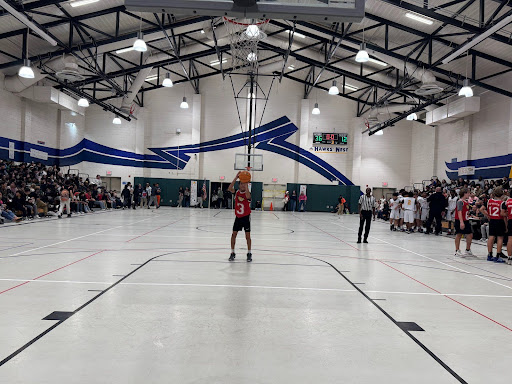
[(243, 161), (308, 10)]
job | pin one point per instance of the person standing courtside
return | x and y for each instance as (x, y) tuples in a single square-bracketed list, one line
[(437, 203), (366, 210)]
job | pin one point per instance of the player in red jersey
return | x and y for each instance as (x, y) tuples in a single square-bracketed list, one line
[(506, 210), (462, 224), (497, 225), (242, 212)]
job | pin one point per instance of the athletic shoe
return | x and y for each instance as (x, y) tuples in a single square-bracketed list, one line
[(498, 260), (232, 256), (394, 229), (249, 257), (358, 241), (509, 261), (490, 257), (391, 227), (59, 216), (501, 255), (468, 253), (365, 241), (69, 215), (458, 253)]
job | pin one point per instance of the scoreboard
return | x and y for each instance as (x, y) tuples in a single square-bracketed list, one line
[(330, 138)]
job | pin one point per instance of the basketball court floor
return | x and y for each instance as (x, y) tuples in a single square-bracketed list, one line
[(149, 297)]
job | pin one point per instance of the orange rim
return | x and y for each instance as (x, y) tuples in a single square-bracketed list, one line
[(246, 24)]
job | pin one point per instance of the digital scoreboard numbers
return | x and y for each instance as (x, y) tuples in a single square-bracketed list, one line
[(330, 138)]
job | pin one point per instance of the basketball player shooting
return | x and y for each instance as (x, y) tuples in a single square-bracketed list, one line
[(242, 212)]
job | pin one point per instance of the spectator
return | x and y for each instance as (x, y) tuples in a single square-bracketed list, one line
[(293, 201), (302, 202), (5, 213), (180, 197), (187, 197), (286, 200), (126, 197), (220, 195), (137, 194), (64, 202), (341, 205), (158, 193)]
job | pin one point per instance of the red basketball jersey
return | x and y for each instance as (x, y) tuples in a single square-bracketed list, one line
[(242, 205), (508, 203), (494, 209), (465, 211)]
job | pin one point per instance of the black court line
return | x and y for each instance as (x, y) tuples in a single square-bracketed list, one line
[(397, 323), (95, 290), (44, 333), (275, 215), (217, 213), (419, 343), (240, 261), (379, 299)]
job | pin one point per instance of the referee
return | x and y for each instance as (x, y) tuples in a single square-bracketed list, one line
[(366, 211)]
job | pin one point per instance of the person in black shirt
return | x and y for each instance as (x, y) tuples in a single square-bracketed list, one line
[(437, 204)]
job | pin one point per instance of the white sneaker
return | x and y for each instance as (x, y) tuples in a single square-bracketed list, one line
[(468, 253), (458, 253)]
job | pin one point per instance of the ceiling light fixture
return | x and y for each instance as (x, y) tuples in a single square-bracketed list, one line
[(379, 133), (466, 89), (124, 50), (167, 81), (419, 18), (184, 104), (83, 102), (378, 62), (252, 57), (362, 56), (252, 31), (116, 121), (316, 110), (292, 67), (151, 78), (139, 44), (26, 71), (351, 87), (412, 117), (79, 3), (334, 90)]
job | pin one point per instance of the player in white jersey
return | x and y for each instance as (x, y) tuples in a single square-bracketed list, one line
[(401, 200), (424, 206), (394, 216), (450, 213), (408, 206), (417, 213)]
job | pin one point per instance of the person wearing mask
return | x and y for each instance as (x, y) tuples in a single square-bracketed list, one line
[(437, 204), (366, 209)]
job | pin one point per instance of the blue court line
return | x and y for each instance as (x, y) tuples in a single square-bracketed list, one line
[(17, 246)]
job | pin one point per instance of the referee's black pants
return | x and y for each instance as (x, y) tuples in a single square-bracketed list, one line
[(437, 216), (366, 216)]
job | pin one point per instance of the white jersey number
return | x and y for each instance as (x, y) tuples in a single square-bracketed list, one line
[(240, 209), (495, 211)]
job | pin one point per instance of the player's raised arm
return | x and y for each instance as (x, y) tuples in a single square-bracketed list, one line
[(231, 187)]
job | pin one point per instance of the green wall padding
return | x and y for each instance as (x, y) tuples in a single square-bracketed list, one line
[(170, 188), (322, 197)]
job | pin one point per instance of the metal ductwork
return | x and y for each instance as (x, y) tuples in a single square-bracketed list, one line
[(373, 116), (55, 98), (16, 84), (127, 101)]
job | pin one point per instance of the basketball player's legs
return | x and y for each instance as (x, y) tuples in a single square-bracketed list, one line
[(458, 236), (233, 241), (249, 241), (490, 244), (469, 239)]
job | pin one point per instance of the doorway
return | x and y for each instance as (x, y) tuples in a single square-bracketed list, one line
[(111, 183), (226, 201), (273, 194), (386, 192)]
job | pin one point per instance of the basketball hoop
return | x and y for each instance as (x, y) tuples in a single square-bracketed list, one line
[(248, 169), (244, 36), (367, 124)]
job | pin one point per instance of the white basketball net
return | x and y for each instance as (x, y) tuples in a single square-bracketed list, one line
[(244, 36)]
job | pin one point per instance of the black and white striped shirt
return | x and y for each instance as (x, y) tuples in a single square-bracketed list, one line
[(367, 203)]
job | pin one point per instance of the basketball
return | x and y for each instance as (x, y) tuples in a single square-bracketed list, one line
[(245, 177)]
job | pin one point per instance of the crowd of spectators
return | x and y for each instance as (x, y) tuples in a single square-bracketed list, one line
[(32, 190)]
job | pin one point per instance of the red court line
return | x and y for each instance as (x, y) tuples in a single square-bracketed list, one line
[(448, 297), (49, 273)]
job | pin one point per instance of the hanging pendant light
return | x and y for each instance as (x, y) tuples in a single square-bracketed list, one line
[(83, 102), (167, 81), (316, 110), (252, 31), (362, 56), (466, 89), (26, 71), (184, 104), (334, 90), (139, 45), (252, 57), (116, 121), (412, 117)]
